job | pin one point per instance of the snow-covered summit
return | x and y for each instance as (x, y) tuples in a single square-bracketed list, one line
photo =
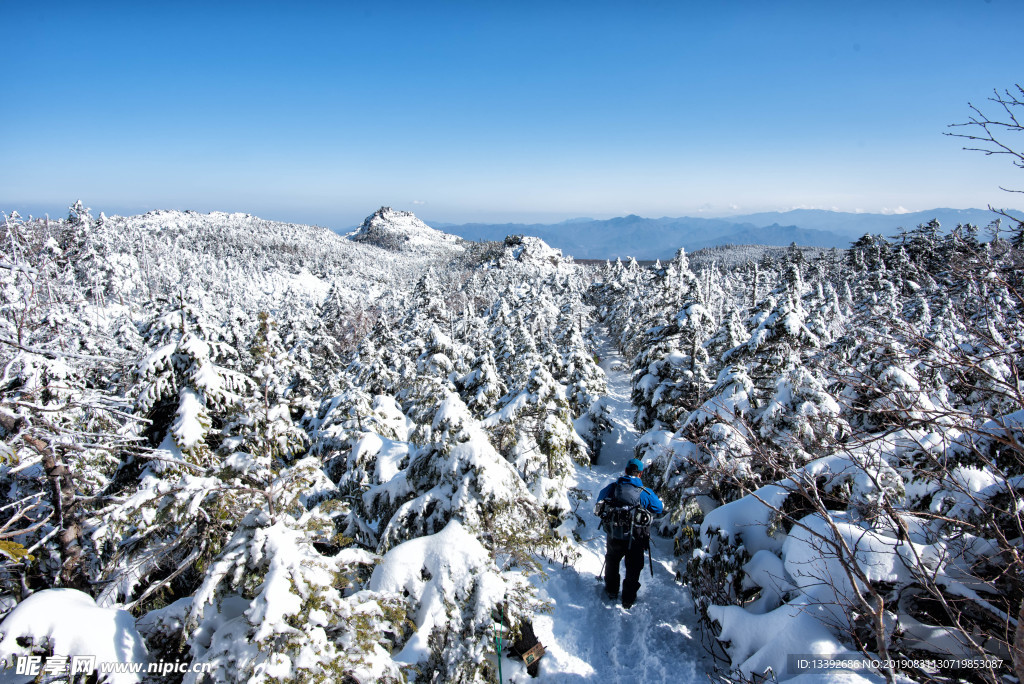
[(401, 231), (527, 248), (531, 253)]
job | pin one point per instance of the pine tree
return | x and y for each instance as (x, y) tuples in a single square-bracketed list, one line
[(457, 474), (482, 387), (266, 424), (272, 607), (669, 374), (182, 389), (457, 593), (802, 420)]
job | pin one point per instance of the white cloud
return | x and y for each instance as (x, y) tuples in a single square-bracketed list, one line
[(897, 210), (419, 202)]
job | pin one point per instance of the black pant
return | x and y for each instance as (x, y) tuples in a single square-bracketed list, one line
[(634, 555)]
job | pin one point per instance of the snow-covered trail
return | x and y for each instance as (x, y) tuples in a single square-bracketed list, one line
[(588, 637)]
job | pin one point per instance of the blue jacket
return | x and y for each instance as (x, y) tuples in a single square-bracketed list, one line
[(648, 499)]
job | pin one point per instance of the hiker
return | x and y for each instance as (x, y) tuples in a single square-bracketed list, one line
[(626, 507)]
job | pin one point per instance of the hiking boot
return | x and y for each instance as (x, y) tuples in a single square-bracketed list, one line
[(611, 593)]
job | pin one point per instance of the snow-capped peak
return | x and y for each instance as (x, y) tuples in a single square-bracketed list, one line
[(527, 248), (402, 231)]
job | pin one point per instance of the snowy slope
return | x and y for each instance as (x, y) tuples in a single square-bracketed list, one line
[(255, 264)]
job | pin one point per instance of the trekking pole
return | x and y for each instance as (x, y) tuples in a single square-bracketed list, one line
[(600, 575)]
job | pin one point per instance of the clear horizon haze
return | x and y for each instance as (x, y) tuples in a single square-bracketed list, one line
[(527, 112)]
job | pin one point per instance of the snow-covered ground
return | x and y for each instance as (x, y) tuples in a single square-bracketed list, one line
[(588, 637)]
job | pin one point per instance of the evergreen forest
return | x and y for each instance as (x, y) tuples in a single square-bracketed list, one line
[(290, 455)]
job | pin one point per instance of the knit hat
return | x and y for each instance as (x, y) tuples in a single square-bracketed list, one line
[(635, 463)]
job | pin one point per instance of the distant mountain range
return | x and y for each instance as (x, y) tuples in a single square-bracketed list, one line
[(654, 238), (659, 238)]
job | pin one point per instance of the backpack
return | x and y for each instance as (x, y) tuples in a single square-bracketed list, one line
[(623, 516)]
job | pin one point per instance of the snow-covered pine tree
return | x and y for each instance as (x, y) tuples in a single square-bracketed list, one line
[(272, 607), (183, 391), (437, 370), (482, 387), (362, 442), (669, 374), (266, 426), (457, 474), (176, 504), (456, 595), (61, 424)]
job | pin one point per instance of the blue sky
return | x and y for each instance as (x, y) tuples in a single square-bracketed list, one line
[(484, 111)]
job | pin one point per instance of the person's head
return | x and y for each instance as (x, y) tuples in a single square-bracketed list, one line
[(634, 467)]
